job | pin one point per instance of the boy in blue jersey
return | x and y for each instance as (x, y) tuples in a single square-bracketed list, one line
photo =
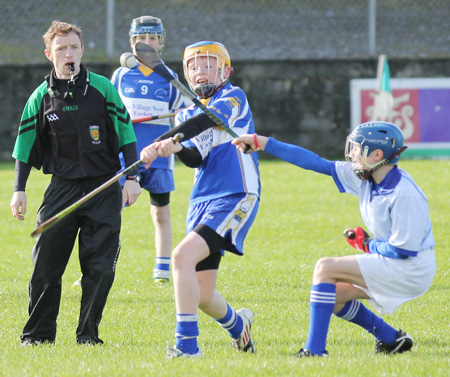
[(145, 93), (224, 200), (398, 263)]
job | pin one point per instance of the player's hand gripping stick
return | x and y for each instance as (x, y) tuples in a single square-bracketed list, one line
[(358, 238)]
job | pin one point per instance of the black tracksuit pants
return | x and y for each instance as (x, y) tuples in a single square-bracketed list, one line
[(97, 224)]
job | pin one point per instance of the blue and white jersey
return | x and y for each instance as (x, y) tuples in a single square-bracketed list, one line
[(395, 211), (145, 93), (224, 170)]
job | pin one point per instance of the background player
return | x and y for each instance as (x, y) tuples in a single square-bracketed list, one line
[(399, 262), (66, 130), (146, 93), (224, 200)]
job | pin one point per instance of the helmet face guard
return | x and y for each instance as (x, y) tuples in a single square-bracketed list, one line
[(371, 136), (209, 50), (148, 26), (354, 154)]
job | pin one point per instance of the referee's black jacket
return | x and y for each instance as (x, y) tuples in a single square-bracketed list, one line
[(75, 130)]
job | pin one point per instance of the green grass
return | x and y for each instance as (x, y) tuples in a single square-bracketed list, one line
[(301, 219)]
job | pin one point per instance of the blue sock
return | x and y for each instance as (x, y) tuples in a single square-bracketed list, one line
[(355, 312), (232, 322), (187, 333), (162, 263), (322, 301)]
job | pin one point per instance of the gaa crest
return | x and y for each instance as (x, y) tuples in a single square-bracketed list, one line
[(94, 131)]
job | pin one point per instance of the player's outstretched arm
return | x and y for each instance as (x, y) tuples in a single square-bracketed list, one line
[(293, 154)]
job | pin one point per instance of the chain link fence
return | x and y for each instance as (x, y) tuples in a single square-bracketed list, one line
[(251, 29)]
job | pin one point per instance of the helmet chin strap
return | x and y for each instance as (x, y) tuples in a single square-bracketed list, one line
[(209, 89), (365, 174)]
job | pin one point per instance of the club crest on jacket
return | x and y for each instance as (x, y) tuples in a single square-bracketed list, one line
[(95, 134)]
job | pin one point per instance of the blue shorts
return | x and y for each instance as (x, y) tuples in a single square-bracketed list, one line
[(157, 181), (231, 217)]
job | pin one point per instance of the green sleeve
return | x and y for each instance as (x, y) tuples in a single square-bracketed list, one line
[(29, 122)]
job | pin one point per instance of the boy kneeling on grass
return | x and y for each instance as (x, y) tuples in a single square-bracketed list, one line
[(398, 263)]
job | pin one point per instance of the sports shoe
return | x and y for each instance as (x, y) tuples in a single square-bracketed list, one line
[(244, 342), (35, 342), (161, 276), (307, 353), (89, 341), (76, 283), (173, 352), (161, 281), (403, 343)]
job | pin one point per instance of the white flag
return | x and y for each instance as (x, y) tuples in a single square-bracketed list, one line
[(384, 101)]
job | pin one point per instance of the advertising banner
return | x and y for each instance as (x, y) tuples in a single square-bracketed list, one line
[(421, 108)]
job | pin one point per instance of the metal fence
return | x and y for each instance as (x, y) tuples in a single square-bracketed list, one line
[(251, 29)]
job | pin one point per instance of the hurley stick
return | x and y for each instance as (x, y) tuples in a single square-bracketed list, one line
[(53, 220), (152, 117)]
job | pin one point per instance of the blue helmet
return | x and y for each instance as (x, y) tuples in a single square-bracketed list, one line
[(370, 136), (149, 25)]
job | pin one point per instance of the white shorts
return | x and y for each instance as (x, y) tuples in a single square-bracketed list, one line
[(391, 282)]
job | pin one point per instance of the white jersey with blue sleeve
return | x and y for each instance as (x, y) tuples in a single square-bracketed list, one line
[(395, 211), (145, 93), (224, 170)]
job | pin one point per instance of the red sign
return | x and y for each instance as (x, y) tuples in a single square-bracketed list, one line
[(405, 113)]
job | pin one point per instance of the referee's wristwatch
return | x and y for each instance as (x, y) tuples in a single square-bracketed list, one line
[(136, 178)]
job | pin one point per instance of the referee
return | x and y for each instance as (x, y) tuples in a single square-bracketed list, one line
[(74, 126)]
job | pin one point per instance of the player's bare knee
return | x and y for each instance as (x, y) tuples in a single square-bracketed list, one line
[(323, 270), (177, 258), (160, 215), (182, 258)]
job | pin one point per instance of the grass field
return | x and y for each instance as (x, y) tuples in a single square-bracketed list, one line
[(301, 219)]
